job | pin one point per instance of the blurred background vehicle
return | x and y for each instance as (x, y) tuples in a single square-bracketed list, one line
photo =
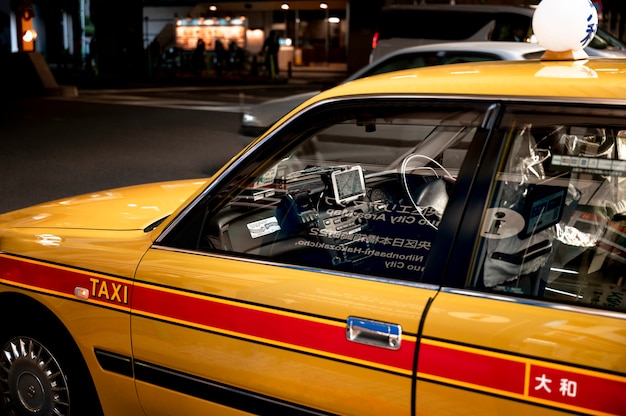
[(258, 118), (401, 26)]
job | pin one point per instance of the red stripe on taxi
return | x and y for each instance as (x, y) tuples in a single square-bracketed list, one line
[(41, 276), (581, 390), (522, 378), (62, 281), (268, 326), (451, 363)]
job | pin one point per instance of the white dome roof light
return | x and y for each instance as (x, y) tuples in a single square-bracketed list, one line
[(565, 27)]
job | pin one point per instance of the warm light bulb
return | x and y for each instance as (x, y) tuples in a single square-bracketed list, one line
[(565, 25)]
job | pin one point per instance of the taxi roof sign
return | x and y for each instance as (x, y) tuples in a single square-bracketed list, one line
[(565, 27)]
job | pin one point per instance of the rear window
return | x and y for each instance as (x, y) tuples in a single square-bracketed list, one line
[(533, 55), (450, 25), (432, 58)]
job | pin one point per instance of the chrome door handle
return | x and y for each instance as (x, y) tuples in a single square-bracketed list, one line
[(378, 334)]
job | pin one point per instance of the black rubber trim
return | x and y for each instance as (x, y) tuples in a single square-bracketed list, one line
[(219, 393), (115, 363), (415, 369), (201, 388)]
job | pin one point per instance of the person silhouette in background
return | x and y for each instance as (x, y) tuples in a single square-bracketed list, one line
[(220, 56), (198, 58), (271, 47)]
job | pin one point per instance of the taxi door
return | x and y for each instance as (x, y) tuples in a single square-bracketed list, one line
[(532, 318), (299, 285), (216, 335)]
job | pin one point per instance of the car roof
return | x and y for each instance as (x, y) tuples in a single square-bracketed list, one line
[(599, 79), (506, 51), (483, 45), (477, 46)]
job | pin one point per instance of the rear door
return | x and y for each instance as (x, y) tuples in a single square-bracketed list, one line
[(533, 316), (298, 282)]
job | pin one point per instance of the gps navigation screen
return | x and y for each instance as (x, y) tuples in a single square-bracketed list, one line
[(348, 185)]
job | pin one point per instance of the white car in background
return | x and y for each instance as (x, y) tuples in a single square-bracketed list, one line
[(258, 118), (405, 25)]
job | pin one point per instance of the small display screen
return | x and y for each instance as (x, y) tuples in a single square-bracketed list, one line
[(348, 185), (544, 207)]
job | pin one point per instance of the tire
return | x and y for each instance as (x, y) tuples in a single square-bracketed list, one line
[(44, 375)]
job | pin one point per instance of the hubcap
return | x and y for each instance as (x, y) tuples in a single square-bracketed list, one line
[(31, 380)]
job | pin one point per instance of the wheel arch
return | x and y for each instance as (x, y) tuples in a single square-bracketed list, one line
[(51, 330), (31, 309)]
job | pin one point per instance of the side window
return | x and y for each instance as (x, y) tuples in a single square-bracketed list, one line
[(512, 27), (404, 61), (363, 194), (555, 227), (453, 57)]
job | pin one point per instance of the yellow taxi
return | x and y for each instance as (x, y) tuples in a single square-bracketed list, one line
[(441, 241)]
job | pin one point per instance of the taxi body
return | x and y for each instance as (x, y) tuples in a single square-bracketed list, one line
[(444, 240)]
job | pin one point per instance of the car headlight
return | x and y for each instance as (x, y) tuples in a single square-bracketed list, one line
[(248, 118)]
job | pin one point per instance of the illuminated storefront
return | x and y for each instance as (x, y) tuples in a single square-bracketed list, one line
[(210, 30)]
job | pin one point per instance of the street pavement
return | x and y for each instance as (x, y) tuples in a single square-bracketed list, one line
[(56, 147)]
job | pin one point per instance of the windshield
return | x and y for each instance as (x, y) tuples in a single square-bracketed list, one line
[(359, 187), (604, 40)]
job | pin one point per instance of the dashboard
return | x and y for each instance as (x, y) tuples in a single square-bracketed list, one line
[(339, 217)]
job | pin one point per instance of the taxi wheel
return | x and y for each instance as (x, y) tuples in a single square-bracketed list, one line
[(42, 373), (32, 382)]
